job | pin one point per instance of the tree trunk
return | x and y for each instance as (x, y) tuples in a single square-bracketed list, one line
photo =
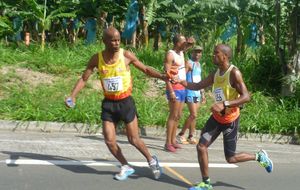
[(292, 68), (43, 40), (239, 37), (145, 34), (297, 64), (277, 12), (101, 24), (133, 40), (144, 25), (292, 75), (157, 39), (262, 38), (294, 28), (27, 38)]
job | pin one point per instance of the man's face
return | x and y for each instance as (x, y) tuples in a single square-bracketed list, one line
[(197, 54), (181, 43), (112, 42), (218, 55)]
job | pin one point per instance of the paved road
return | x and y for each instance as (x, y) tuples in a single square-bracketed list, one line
[(32, 160)]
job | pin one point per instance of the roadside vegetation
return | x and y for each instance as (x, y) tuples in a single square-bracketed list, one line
[(45, 46), (33, 86)]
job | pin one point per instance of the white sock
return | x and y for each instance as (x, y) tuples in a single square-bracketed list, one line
[(152, 162)]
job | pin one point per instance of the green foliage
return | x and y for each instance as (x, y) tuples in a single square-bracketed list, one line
[(20, 100), (150, 58), (206, 20), (269, 115), (59, 60), (261, 69), (45, 103), (5, 26)]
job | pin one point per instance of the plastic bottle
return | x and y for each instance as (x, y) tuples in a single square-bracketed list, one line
[(70, 102)]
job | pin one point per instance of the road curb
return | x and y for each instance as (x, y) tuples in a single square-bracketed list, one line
[(153, 131), (48, 127)]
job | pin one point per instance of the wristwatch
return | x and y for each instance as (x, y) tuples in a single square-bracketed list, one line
[(226, 104)]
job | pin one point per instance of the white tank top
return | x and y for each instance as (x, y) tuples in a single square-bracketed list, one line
[(179, 60)]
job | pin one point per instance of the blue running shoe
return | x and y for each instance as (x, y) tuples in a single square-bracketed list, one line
[(155, 167), (124, 173), (265, 161), (202, 186)]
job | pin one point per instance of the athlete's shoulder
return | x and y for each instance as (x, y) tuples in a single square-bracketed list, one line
[(235, 71), (235, 76), (128, 54), (95, 58), (93, 62)]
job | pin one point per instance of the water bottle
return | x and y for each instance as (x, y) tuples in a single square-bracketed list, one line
[(70, 102)]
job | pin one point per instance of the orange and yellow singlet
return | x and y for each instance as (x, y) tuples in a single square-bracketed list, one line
[(223, 91), (115, 78)]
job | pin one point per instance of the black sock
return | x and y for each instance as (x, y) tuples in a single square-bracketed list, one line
[(190, 136), (180, 134), (206, 180)]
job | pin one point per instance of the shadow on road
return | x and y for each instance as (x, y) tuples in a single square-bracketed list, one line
[(153, 146), (222, 184), (140, 171)]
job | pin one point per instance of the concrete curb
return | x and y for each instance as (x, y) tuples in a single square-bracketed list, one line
[(48, 127), (153, 131)]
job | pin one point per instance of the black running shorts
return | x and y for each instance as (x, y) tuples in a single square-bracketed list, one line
[(115, 111), (212, 130)]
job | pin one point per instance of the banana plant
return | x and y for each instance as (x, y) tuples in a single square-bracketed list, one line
[(149, 11), (5, 26), (44, 16)]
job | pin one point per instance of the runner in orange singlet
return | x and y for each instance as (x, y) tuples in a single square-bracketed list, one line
[(113, 66), (230, 92)]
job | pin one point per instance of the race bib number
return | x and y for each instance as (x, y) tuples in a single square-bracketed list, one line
[(219, 95), (196, 78), (113, 84)]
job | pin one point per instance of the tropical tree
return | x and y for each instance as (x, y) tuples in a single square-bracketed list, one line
[(151, 14), (288, 43), (45, 16), (39, 11), (6, 25)]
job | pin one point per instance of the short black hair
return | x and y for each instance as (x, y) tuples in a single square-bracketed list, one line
[(226, 49), (176, 38)]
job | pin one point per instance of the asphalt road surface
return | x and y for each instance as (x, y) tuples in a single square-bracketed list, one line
[(55, 161)]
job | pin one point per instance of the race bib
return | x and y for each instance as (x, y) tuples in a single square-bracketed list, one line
[(113, 84), (181, 73), (219, 95), (196, 78)]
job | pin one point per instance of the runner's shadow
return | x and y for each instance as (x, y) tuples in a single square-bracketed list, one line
[(145, 172), (141, 172), (219, 183), (52, 159)]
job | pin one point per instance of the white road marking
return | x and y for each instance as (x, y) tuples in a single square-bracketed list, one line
[(108, 163)]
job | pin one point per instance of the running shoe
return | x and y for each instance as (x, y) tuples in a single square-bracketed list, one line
[(181, 140), (124, 173), (170, 148), (265, 161), (202, 186), (192, 140), (155, 167)]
